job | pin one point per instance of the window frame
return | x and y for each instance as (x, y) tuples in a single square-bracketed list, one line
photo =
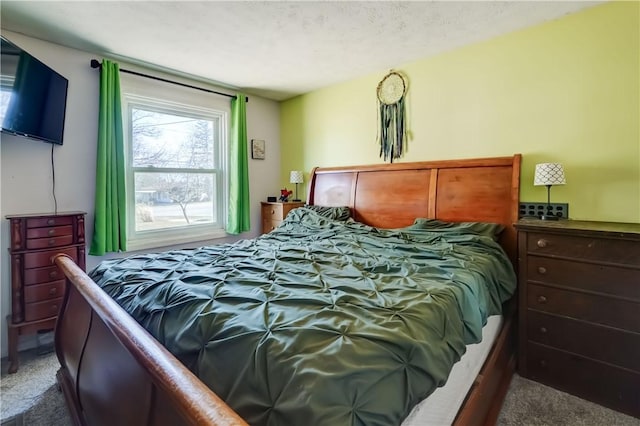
[(137, 240)]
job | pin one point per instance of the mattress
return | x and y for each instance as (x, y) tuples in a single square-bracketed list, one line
[(442, 406)]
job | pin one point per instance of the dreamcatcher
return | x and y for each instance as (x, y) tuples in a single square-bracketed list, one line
[(391, 135)]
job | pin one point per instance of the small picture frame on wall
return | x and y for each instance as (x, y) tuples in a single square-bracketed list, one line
[(257, 149)]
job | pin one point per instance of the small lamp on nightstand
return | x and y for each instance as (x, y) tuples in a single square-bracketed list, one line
[(549, 174), (296, 177)]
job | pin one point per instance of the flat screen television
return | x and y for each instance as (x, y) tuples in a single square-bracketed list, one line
[(33, 97)]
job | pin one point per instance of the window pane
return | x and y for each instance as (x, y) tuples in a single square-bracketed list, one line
[(170, 140), (168, 200), (5, 97)]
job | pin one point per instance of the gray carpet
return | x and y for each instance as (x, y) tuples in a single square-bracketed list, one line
[(31, 398), (533, 404)]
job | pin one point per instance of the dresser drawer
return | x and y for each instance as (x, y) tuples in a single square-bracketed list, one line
[(623, 282), (593, 341), (42, 275), (40, 310), (54, 231), (42, 292), (270, 225), (621, 252), (42, 222), (588, 307), (43, 258), (40, 243), (608, 385), (272, 212)]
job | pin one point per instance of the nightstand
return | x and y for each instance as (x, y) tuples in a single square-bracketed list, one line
[(579, 309), (274, 213)]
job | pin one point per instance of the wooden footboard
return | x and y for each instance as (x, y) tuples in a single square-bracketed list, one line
[(115, 373)]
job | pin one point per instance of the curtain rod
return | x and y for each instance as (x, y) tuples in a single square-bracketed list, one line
[(96, 64)]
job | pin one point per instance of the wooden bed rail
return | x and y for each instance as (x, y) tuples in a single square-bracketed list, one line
[(194, 402)]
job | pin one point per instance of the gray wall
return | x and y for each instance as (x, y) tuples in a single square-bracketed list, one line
[(25, 166)]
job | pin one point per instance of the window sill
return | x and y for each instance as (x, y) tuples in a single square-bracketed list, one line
[(159, 241)]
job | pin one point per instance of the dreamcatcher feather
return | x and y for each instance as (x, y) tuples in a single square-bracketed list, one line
[(391, 104)]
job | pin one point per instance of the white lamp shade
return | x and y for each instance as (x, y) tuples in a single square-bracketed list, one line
[(296, 176), (549, 174)]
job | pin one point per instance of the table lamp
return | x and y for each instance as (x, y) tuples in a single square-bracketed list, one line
[(296, 177), (549, 174)]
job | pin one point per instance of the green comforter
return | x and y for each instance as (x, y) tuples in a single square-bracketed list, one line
[(320, 322)]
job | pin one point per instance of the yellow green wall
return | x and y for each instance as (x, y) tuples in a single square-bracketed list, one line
[(565, 91)]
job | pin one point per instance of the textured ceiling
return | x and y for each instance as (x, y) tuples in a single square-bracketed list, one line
[(274, 49)]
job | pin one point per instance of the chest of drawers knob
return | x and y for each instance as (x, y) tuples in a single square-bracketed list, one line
[(542, 270), (53, 291), (543, 330), (542, 243), (53, 274), (542, 299), (543, 363), (51, 232), (51, 221)]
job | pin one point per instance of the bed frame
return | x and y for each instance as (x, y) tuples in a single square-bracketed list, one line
[(114, 372)]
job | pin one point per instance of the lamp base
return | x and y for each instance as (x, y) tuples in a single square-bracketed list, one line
[(548, 217)]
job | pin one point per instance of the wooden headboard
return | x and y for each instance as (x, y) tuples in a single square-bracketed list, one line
[(394, 195)]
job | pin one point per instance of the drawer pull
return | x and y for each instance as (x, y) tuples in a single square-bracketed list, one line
[(543, 330), (52, 242), (51, 232), (542, 299), (53, 274), (54, 308), (543, 363), (542, 243), (273, 211), (53, 291), (51, 222), (542, 270)]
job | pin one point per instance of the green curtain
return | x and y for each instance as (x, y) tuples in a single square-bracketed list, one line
[(239, 208), (109, 230)]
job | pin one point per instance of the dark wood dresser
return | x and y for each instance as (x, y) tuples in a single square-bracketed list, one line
[(37, 286), (274, 213), (579, 309)]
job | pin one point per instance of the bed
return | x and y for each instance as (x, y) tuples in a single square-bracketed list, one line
[(113, 371)]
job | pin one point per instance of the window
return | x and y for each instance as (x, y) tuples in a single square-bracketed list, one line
[(176, 179), (6, 90)]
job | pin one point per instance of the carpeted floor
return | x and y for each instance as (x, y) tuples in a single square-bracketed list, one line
[(31, 398)]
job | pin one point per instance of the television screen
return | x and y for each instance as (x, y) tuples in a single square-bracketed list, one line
[(33, 96)]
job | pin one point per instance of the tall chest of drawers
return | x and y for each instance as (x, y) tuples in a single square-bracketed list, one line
[(579, 309), (37, 286)]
